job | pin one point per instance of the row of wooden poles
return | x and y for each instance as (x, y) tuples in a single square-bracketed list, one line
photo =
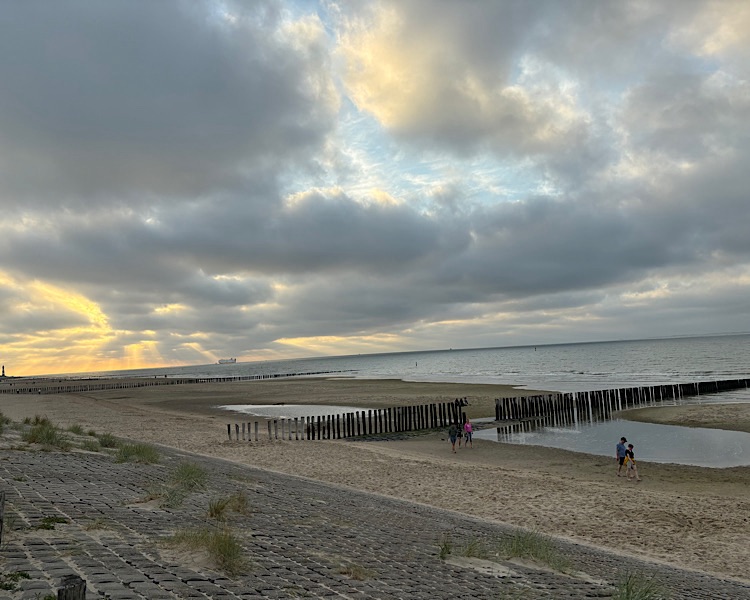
[(579, 406), (353, 424), (58, 386), (547, 409)]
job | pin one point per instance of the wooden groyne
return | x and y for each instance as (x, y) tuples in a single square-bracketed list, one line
[(601, 404), (358, 423), (74, 386), (541, 410)]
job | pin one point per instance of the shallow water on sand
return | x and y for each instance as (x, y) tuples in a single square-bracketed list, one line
[(289, 411)]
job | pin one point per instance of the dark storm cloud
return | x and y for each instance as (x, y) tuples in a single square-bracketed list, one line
[(130, 99)]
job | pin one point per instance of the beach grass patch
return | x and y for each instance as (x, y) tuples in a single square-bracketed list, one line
[(640, 586), (107, 440), (51, 521), (357, 572), (76, 429), (239, 503), (46, 434), (138, 453), (221, 545), (3, 422), (190, 476), (9, 581), (445, 547), (91, 445), (533, 546), (98, 523), (219, 507), (473, 548)]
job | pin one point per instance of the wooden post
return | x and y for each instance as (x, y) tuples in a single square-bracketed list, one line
[(320, 429), (229, 431), (270, 437), (296, 430), (72, 587), (275, 429), (2, 514), (237, 431), (243, 430), (256, 431)]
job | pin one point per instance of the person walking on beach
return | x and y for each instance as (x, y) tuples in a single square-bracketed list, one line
[(453, 435), (620, 455), (632, 468), (468, 433)]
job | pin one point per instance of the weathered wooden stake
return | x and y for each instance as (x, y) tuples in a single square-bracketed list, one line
[(72, 587)]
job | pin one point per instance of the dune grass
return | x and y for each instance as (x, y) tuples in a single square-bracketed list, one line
[(640, 586), (189, 476), (107, 440), (43, 432), (222, 546), (138, 453), (534, 546)]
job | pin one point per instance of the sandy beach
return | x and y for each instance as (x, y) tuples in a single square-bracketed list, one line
[(692, 517)]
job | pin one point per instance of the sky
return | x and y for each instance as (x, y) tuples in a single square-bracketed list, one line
[(184, 181)]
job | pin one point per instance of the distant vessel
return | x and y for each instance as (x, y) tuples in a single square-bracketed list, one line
[(227, 361)]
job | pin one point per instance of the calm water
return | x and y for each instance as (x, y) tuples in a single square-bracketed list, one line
[(560, 367), (652, 443)]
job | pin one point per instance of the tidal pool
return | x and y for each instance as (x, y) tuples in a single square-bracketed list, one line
[(290, 411), (696, 446)]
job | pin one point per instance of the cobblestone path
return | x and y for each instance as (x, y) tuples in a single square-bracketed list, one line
[(302, 539)]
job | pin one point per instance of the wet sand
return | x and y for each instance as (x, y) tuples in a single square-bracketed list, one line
[(688, 516)]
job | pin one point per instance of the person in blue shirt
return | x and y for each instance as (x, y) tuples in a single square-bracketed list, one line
[(620, 453)]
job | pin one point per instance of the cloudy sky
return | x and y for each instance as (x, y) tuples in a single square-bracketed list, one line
[(182, 181)]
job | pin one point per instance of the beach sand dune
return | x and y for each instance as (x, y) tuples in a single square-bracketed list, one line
[(688, 516)]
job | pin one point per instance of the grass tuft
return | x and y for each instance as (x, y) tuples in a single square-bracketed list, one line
[(44, 432), (637, 586), (107, 440), (534, 546), (445, 547), (138, 453), (219, 507), (91, 445), (50, 522), (190, 476), (358, 572), (9, 581), (220, 544), (76, 429), (3, 422)]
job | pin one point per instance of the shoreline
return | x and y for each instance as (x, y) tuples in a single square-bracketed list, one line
[(692, 517)]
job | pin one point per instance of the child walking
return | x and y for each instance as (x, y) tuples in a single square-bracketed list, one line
[(632, 468)]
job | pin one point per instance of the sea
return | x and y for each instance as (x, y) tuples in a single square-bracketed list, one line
[(571, 367), (575, 367)]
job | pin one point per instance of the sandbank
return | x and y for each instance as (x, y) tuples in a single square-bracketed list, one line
[(691, 517)]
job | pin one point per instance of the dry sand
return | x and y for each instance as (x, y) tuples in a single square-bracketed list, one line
[(688, 516)]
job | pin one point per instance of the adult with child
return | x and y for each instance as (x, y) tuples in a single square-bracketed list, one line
[(620, 451), (453, 435)]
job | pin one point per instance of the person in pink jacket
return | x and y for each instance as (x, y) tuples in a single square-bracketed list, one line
[(468, 433)]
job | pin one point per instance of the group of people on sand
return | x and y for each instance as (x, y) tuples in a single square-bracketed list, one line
[(458, 433), (626, 460)]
